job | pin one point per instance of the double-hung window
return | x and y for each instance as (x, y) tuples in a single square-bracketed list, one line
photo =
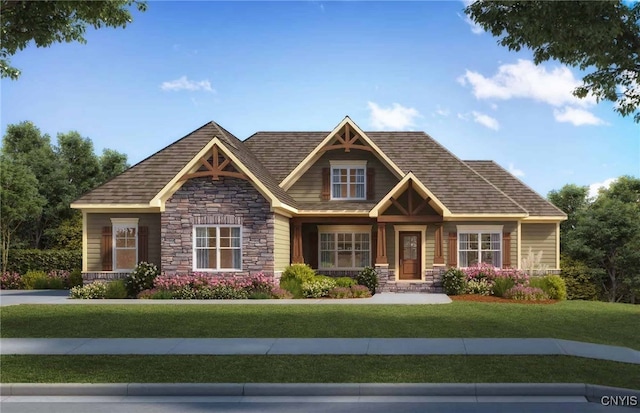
[(217, 248), (348, 181), (482, 245), (125, 243), (345, 248)]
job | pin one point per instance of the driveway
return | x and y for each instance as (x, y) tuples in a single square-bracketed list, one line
[(13, 297)]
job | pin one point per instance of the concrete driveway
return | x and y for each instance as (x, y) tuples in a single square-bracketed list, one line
[(13, 297)]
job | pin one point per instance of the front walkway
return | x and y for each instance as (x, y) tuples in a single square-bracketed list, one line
[(318, 346)]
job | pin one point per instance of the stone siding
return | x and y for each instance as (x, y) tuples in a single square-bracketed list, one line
[(226, 201)]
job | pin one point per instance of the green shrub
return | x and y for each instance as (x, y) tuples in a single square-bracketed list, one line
[(293, 286), (318, 287), (552, 285), (360, 291), (280, 293), (521, 292), (369, 278), (501, 285), (579, 280), (75, 278), (116, 289), (96, 289), (454, 281), (480, 287), (300, 272), (22, 261), (55, 283), (260, 296), (141, 278), (347, 282), (340, 292), (35, 280), (155, 294)]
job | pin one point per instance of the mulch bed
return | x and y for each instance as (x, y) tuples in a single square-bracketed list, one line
[(494, 299)]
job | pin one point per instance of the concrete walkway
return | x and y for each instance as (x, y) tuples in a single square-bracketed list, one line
[(15, 297), (318, 346)]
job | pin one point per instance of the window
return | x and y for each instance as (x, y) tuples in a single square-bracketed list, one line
[(481, 246), (341, 250), (125, 243), (348, 181), (217, 248)]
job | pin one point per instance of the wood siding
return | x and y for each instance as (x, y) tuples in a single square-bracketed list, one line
[(95, 222), (309, 187), (508, 226), (282, 245), (540, 237)]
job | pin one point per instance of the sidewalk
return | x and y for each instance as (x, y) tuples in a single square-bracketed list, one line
[(318, 346)]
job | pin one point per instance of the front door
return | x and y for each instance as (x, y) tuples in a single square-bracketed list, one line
[(410, 260)]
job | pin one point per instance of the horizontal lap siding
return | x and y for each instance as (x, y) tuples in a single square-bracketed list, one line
[(95, 223), (540, 237), (309, 187), (508, 226), (282, 243)]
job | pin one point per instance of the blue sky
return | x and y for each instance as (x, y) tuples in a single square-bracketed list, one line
[(304, 66)]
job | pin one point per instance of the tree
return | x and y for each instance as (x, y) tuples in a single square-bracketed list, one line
[(79, 161), (600, 36), (570, 199), (48, 22), (20, 201), (112, 163)]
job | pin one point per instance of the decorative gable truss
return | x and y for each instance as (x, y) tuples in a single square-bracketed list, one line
[(215, 166)]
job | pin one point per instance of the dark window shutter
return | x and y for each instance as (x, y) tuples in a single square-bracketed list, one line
[(326, 185), (453, 249), (143, 244), (106, 249), (506, 250), (371, 184)]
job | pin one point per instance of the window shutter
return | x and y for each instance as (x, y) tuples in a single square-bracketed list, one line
[(506, 250), (326, 185), (453, 249), (143, 244), (371, 184), (106, 249)]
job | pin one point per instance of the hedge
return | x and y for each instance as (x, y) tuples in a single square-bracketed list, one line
[(22, 261)]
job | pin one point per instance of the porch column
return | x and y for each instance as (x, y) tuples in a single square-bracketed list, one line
[(381, 255), (298, 258), (438, 257)]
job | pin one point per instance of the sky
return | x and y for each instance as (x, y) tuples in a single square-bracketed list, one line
[(295, 66)]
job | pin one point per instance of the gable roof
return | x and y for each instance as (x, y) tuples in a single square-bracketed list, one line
[(517, 190)]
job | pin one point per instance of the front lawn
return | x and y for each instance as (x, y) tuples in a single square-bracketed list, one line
[(318, 369), (597, 322)]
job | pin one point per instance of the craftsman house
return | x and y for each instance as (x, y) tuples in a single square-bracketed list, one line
[(338, 200)]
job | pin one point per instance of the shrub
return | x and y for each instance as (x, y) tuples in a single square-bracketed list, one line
[(552, 285), (480, 286), (501, 285), (75, 278), (116, 289), (360, 291), (97, 289), (10, 281), (521, 292), (58, 279), (280, 293), (454, 281), (318, 287), (579, 280), (347, 282), (260, 296), (341, 292), (35, 280), (22, 261), (369, 278), (141, 278), (293, 286), (300, 272), (260, 283), (480, 271), (155, 294)]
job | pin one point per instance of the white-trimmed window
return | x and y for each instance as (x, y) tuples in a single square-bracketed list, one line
[(217, 248), (348, 180), (345, 248), (125, 243), (479, 244)]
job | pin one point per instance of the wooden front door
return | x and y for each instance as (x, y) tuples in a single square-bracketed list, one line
[(410, 256)]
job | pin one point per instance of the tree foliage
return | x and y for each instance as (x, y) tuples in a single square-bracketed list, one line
[(570, 199), (48, 22), (601, 37)]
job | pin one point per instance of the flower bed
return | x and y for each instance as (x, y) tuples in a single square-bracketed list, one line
[(494, 299), (40, 280)]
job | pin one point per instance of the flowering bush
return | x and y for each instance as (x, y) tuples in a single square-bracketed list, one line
[(318, 287), (155, 294), (480, 286), (10, 281), (360, 291), (97, 289), (196, 281), (454, 281), (369, 278), (141, 278), (480, 271), (280, 293), (341, 292), (501, 285), (521, 292)]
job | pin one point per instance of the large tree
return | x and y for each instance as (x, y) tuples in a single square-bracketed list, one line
[(570, 199), (599, 37), (48, 22)]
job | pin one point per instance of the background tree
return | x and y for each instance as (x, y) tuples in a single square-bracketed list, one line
[(570, 199), (48, 22), (112, 163), (79, 161), (602, 37)]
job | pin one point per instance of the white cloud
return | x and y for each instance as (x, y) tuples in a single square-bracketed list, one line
[(442, 112), (485, 120), (577, 117), (494, 106), (396, 117), (185, 84), (475, 27), (462, 116), (515, 171), (593, 188)]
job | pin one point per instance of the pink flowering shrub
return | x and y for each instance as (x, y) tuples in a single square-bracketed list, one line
[(521, 292), (497, 280), (213, 286), (280, 293), (10, 281)]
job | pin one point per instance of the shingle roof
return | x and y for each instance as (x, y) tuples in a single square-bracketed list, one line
[(517, 190)]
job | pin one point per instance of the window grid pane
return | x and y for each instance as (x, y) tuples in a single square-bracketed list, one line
[(348, 183), (475, 248), (214, 241), (344, 250)]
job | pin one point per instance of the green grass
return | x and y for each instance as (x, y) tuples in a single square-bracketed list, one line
[(318, 369), (597, 322)]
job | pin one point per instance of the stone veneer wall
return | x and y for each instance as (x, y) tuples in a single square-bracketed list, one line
[(226, 201)]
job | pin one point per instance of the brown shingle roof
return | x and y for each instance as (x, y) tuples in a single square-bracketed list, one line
[(534, 203)]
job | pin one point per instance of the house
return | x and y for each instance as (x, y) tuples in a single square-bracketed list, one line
[(338, 200)]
